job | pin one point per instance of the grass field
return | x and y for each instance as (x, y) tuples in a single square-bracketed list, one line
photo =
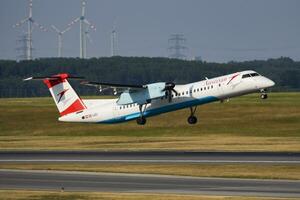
[(55, 195), (250, 171), (243, 124)]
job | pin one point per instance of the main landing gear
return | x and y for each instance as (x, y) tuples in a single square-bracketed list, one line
[(192, 119), (141, 120), (263, 94)]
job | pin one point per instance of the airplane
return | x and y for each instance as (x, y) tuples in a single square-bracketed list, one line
[(137, 102)]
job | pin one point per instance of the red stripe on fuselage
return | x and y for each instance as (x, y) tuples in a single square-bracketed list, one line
[(232, 78), (76, 106)]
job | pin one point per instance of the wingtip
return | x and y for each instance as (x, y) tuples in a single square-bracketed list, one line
[(84, 82), (28, 79)]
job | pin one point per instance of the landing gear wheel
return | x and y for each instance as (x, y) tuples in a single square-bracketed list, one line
[(263, 96), (192, 120), (141, 121)]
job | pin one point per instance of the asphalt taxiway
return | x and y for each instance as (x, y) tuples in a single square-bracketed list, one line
[(148, 157), (138, 183)]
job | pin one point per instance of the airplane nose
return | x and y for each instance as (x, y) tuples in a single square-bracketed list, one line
[(269, 83)]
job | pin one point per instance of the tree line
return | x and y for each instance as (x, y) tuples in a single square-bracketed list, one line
[(135, 70)]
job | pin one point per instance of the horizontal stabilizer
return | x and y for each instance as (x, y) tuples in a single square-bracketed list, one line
[(54, 77)]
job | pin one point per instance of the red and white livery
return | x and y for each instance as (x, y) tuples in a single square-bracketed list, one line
[(137, 102)]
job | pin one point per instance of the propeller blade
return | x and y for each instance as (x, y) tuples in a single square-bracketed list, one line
[(170, 96), (175, 91), (90, 25), (67, 29), (74, 21), (56, 29), (40, 26), (20, 23), (169, 88), (83, 8), (89, 38)]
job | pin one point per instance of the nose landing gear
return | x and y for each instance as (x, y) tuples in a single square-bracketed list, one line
[(192, 119), (263, 94)]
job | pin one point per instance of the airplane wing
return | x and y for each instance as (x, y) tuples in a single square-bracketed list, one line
[(113, 85), (117, 88), (140, 94)]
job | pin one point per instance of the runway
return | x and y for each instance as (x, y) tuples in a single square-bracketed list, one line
[(148, 157), (137, 183)]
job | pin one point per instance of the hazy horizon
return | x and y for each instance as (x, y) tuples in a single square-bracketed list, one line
[(218, 31)]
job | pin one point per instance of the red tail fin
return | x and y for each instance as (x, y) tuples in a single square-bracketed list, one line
[(66, 99)]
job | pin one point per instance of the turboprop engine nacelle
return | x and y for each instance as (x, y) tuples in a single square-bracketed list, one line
[(142, 96)]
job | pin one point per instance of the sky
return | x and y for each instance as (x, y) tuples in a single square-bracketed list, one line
[(215, 30)]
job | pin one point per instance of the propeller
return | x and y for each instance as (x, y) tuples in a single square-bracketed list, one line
[(169, 88)]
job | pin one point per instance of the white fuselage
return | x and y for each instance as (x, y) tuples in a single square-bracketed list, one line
[(189, 95)]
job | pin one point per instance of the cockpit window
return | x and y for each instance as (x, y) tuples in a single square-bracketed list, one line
[(246, 76), (254, 74)]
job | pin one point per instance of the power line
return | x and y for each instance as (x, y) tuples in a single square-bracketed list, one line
[(30, 23), (21, 48), (177, 46), (113, 41)]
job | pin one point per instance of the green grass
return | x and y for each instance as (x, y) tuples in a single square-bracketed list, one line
[(244, 123), (56, 195)]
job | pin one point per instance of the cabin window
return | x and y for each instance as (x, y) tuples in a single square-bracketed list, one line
[(220, 85), (123, 107), (182, 93), (201, 89), (194, 90), (120, 107), (212, 86), (204, 88), (246, 76), (187, 92)]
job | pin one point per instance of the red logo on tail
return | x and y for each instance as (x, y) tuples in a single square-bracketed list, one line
[(61, 94)]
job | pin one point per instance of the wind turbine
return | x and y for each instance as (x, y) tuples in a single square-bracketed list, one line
[(30, 22), (82, 22), (113, 40), (60, 34), (87, 37)]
